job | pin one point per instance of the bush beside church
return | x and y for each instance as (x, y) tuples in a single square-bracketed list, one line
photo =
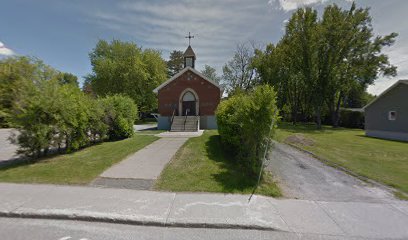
[(244, 123)]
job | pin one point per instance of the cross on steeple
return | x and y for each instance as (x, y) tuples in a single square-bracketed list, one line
[(189, 38)]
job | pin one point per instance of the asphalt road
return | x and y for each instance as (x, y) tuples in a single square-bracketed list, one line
[(301, 176), (39, 229)]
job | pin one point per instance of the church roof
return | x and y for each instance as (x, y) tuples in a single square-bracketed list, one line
[(189, 52), (156, 90)]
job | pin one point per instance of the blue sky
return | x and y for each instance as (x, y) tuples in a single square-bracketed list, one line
[(62, 33)]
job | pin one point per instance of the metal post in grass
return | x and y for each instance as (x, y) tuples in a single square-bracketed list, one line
[(263, 160)]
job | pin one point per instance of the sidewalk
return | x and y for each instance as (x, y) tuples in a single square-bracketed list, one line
[(343, 219)]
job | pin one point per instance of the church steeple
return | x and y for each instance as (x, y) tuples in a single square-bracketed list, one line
[(189, 55)]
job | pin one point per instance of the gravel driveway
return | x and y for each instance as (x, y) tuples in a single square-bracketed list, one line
[(303, 177)]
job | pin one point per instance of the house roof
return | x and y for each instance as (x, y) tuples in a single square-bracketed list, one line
[(156, 90), (189, 52), (403, 81)]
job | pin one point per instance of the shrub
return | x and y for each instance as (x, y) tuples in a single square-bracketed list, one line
[(120, 115), (50, 115), (244, 122)]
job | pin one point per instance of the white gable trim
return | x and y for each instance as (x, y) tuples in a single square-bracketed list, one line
[(386, 91), (156, 90)]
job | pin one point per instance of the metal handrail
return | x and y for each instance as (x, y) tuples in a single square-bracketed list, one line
[(172, 116), (185, 119)]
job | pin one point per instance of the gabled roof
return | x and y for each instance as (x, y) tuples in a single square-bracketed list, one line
[(156, 90), (386, 91), (189, 52)]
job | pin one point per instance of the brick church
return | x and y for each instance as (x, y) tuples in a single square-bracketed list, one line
[(188, 100)]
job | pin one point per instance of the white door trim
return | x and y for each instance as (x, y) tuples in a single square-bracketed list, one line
[(181, 101)]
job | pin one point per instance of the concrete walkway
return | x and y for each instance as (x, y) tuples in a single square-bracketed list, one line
[(140, 170), (332, 220), (169, 134), (7, 149), (301, 176), (144, 127)]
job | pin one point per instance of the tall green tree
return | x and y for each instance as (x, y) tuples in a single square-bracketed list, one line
[(68, 78), (290, 66), (319, 63), (353, 54), (18, 75), (211, 73), (176, 63), (124, 68), (299, 46)]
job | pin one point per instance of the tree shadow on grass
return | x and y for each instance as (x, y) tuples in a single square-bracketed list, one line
[(232, 177), (310, 128)]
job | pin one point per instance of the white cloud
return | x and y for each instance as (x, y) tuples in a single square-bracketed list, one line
[(5, 51), (289, 5), (217, 25), (398, 56)]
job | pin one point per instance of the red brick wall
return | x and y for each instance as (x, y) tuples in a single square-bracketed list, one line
[(208, 94)]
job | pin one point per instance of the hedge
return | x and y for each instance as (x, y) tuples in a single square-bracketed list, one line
[(351, 119), (54, 116)]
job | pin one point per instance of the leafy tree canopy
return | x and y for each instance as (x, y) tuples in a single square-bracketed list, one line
[(320, 63), (211, 73), (175, 63), (68, 78), (124, 68), (18, 75)]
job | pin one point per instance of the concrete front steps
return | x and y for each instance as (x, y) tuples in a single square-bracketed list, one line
[(185, 124)]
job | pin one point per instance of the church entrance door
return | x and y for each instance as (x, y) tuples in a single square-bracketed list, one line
[(188, 104), (189, 108)]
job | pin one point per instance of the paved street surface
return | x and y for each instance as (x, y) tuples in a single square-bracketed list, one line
[(339, 220), (38, 229), (301, 176), (7, 150)]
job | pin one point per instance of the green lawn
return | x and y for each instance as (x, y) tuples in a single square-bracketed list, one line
[(76, 168), (201, 165), (382, 160)]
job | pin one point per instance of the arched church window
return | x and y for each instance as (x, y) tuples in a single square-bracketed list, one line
[(188, 96)]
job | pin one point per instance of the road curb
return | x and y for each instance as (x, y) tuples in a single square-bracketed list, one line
[(131, 221)]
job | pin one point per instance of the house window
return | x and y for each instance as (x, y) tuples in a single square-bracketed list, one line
[(392, 115)]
